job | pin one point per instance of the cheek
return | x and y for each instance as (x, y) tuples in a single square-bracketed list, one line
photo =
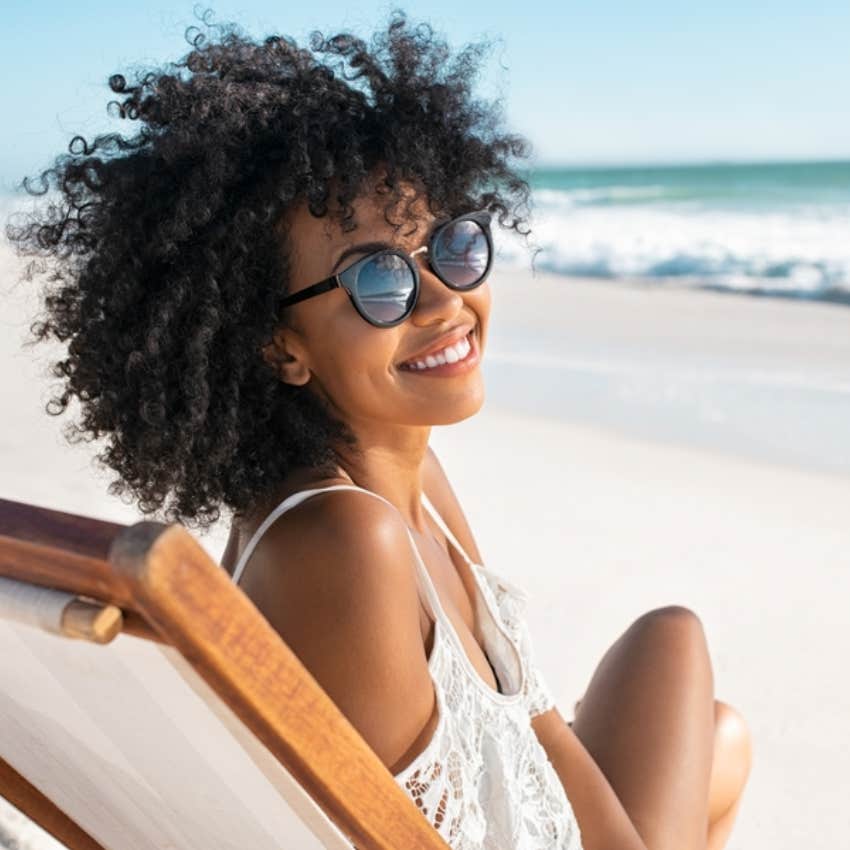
[(480, 301), (359, 358), (480, 297)]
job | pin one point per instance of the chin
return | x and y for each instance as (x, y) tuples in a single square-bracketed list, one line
[(459, 411)]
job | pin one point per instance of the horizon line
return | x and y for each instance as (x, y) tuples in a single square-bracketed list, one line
[(686, 163)]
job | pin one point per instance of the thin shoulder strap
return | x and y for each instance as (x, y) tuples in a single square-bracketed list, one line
[(428, 593), (446, 530), (296, 498), (290, 502)]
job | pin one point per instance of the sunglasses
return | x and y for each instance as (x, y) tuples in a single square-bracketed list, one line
[(384, 285)]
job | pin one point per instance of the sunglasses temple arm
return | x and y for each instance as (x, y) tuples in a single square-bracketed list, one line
[(316, 289)]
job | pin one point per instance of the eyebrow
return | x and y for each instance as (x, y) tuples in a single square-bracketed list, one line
[(368, 247), (360, 248)]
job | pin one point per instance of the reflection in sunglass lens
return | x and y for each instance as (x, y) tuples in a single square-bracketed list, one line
[(462, 252), (385, 287)]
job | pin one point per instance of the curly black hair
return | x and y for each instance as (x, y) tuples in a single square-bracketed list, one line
[(167, 260)]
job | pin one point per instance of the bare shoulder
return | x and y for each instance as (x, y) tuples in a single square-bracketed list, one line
[(443, 497), (346, 603)]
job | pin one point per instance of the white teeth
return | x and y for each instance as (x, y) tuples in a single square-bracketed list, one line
[(450, 354)]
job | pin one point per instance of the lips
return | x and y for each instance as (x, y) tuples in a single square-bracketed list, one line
[(443, 342)]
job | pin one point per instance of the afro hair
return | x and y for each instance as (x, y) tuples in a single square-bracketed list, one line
[(166, 264)]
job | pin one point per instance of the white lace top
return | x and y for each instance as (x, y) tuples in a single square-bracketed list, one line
[(483, 781)]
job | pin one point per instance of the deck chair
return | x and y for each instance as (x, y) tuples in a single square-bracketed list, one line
[(147, 704)]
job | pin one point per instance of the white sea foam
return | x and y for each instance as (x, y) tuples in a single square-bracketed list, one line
[(640, 232)]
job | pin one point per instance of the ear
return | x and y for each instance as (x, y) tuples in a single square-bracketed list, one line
[(286, 357)]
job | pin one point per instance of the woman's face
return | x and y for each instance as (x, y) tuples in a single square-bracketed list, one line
[(356, 366)]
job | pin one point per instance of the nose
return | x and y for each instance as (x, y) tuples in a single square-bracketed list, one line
[(436, 300)]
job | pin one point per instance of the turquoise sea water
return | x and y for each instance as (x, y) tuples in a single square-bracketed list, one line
[(772, 228), (780, 229)]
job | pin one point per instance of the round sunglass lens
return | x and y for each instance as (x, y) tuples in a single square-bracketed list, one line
[(462, 253), (385, 287)]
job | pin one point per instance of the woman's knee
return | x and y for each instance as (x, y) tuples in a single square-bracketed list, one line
[(674, 622), (674, 636), (732, 760), (733, 746), (666, 643)]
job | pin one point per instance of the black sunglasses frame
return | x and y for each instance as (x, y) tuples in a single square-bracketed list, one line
[(481, 217)]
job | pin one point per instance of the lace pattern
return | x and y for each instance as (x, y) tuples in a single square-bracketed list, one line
[(511, 601), (484, 782)]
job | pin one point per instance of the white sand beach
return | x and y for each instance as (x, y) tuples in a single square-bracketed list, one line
[(639, 447)]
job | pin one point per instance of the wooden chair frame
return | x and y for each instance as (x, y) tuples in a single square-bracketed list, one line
[(170, 590)]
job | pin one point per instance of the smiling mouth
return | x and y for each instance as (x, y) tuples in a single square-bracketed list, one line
[(463, 351)]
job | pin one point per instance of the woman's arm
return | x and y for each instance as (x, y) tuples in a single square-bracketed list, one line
[(604, 823), (335, 578)]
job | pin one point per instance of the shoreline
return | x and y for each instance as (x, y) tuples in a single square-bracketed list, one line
[(757, 378)]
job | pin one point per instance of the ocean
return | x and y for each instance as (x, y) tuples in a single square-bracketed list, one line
[(775, 229)]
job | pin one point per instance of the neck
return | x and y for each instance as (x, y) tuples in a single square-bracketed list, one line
[(396, 470)]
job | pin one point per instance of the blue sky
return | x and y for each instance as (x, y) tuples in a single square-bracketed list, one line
[(615, 82)]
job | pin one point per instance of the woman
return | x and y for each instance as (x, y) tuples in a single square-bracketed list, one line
[(272, 293)]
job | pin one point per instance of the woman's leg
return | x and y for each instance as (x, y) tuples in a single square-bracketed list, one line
[(730, 769), (647, 718), (729, 772)]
